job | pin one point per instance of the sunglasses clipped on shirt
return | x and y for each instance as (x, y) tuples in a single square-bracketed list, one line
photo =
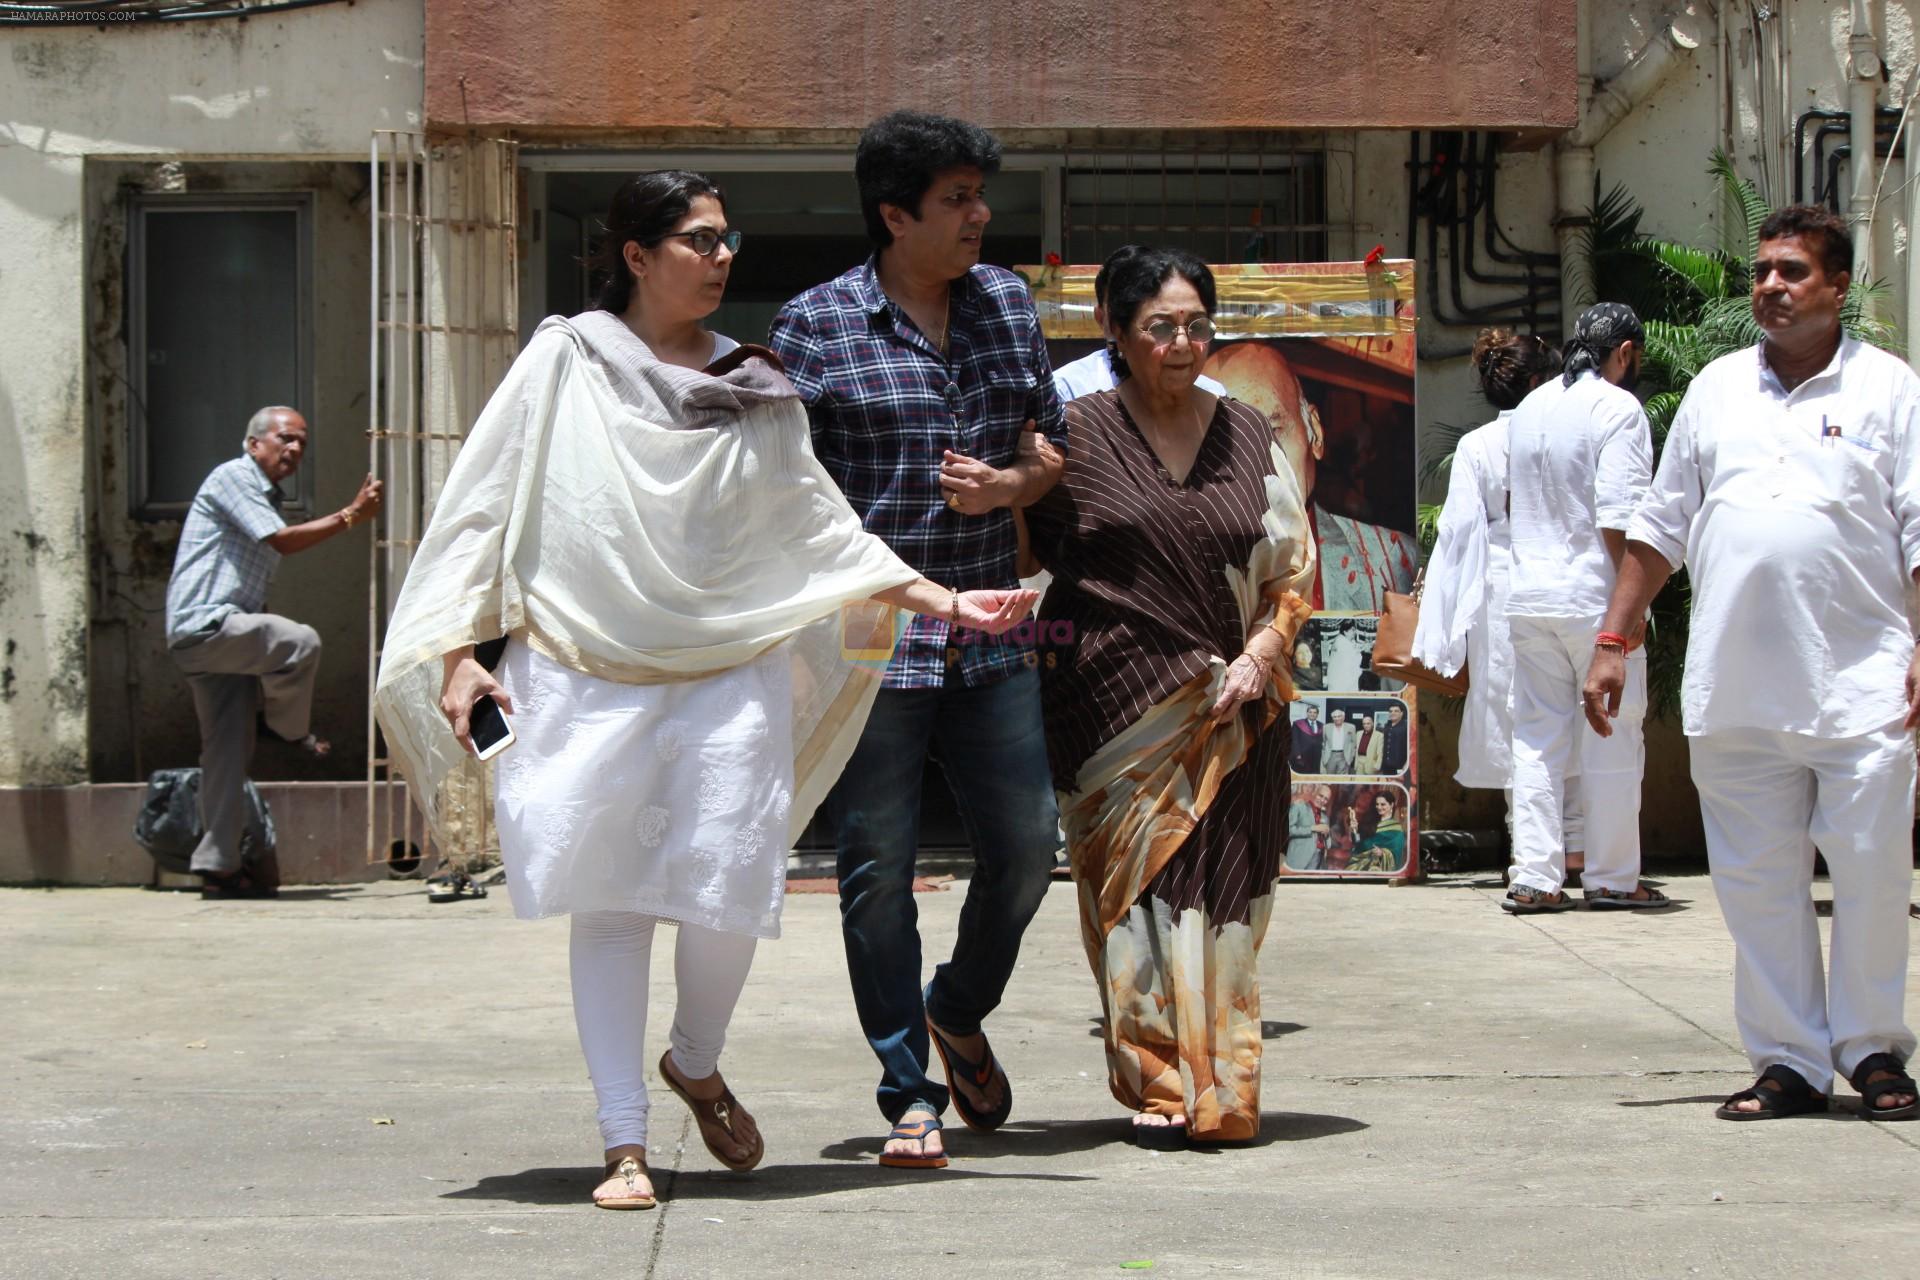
[(1198, 330), (705, 240)]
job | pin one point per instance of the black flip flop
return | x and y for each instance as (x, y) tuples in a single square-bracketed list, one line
[(1160, 1137), (981, 1076), (1794, 1097), (1871, 1093)]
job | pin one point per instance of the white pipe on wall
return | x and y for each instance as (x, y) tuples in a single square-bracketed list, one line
[(1573, 166), (1863, 103)]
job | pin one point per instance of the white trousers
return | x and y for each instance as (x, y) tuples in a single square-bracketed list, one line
[(1573, 817), (1769, 799), (1552, 741), (611, 953)]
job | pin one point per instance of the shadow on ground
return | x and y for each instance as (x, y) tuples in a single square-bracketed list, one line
[(1066, 1137), (769, 1182)]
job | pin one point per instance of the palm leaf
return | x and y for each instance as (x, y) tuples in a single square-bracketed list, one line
[(1746, 209), (1426, 526)]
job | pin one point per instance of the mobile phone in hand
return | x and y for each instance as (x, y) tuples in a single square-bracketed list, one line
[(488, 728)]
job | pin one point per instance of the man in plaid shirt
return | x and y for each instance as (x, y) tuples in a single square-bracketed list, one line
[(926, 377), (236, 656)]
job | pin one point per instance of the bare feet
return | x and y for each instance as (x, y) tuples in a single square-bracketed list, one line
[(626, 1185), (1149, 1120)]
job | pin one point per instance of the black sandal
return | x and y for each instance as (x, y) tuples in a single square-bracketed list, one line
[(1794, 1097), (1872, 1092)]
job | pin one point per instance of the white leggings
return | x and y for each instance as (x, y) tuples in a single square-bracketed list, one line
[(612, 954)]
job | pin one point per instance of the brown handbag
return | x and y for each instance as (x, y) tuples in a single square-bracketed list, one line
[(1393, 646)]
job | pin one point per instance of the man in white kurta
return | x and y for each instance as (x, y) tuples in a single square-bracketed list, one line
[(1790, 490), (1579, 455)]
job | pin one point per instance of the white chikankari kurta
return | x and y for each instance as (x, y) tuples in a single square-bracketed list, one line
[(1578, 461), (1799, 546), (1463, 605)]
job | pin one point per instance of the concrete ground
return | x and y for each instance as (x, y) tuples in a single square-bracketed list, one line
[(352, 1082)]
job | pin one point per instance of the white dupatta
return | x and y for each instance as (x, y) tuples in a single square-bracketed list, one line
[(642, 523)]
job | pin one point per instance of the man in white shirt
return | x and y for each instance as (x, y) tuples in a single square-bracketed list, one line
[(1094, 372), (1790, 490), (1579, 455)]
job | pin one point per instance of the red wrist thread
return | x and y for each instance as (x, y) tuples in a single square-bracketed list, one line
[(1611, 638)]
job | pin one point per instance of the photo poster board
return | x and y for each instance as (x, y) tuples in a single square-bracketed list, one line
[(1326, 352)]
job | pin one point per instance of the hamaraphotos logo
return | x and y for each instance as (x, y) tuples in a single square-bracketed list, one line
[(869, 631)]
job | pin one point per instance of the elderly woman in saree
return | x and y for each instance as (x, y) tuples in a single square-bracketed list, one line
[(690, 654), (1179, 547)]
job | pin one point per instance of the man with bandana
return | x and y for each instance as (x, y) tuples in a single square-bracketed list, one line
[(1579, 460)]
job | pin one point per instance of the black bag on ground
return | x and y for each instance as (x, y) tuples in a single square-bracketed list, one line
[(169, 828)]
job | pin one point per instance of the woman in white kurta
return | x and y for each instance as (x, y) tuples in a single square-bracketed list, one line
[(690, 653), (1463, 606)]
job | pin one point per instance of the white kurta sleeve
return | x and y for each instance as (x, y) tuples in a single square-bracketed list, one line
[(1456, 578), (1623, 467), (1906, 474), (1664, 519)]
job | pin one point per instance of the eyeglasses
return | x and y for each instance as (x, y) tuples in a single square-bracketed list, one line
[(705, 240), (1199, 331)]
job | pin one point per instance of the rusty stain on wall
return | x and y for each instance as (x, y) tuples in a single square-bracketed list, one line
[(798, 64)]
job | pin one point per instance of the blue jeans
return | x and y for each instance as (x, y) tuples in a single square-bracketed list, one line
[(994, 754)]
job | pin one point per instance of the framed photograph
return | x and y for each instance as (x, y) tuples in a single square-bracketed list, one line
[(1349, 829), (1334, 654), (1350, 736)]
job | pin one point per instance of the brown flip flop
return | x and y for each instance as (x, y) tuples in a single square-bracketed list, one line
[(715, 1118)]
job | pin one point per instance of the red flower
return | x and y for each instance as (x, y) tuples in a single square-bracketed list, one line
[(1054, 260), (1377, 255)]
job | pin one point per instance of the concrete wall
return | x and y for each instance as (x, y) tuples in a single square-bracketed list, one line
[(790, 64), (311, 84)]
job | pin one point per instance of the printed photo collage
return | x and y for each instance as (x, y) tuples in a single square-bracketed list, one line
[(1352, 753)]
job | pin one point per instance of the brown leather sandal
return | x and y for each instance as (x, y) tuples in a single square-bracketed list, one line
[(715, 1118), (631, 1170)]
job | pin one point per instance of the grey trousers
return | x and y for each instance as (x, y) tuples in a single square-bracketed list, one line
[(254, 661)]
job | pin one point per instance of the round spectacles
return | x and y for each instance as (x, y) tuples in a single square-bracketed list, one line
[(1199, 331), (705, 240)]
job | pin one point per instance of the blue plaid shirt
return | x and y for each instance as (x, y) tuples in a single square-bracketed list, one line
[(886, 404), (224, 565)]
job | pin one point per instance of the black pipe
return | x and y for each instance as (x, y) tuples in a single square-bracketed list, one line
[(1800, 143), (1519, 257), (1886, 122), (1434, 192)]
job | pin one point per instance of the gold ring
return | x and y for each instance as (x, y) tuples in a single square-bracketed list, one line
[(953, 500)]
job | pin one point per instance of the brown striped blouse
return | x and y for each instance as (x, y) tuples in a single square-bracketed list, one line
[(1138, 564)]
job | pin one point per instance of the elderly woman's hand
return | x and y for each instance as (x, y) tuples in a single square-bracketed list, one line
[(1246, 680), (464, 682)]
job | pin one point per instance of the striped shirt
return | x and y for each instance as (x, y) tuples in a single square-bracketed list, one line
[(224, 565), (885, 405)]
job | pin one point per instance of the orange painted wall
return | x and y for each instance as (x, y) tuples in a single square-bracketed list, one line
[(590, 65)]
